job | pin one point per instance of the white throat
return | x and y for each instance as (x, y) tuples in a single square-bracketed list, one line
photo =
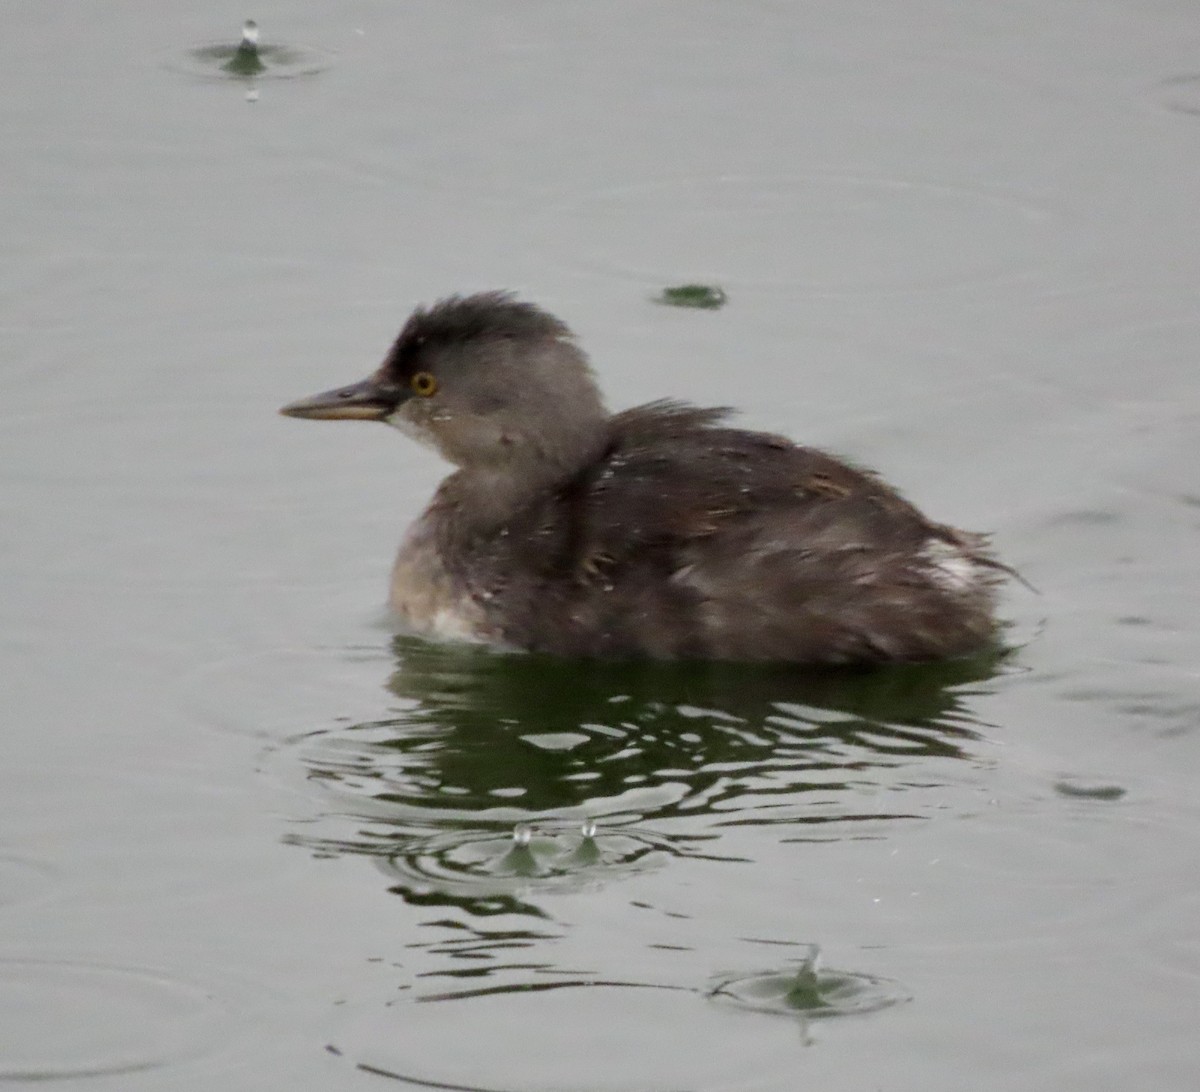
[(411, 429)]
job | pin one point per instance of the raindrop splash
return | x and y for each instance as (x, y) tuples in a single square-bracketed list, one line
[(808, 990), (251, 59), (246, 60), (551, 856), (520, 860)]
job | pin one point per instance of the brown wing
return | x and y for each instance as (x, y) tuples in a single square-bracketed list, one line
[(693, 539)]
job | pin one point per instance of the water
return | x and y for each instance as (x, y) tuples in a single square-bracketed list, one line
[(251, 59), (806, 988), (249, 840)]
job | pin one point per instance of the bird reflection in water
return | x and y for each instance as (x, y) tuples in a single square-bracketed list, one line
[(605, 768)]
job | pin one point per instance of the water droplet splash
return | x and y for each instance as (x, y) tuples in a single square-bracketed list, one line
[(808, 990), (246, 60), (520, 860), (251, 59), (554, 855)]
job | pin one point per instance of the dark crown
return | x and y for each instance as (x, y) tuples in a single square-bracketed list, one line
[(458, 320)]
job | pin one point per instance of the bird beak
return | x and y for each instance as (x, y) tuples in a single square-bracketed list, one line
[(365, 401)]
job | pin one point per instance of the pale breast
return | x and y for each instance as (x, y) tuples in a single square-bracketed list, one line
[(426, 597)]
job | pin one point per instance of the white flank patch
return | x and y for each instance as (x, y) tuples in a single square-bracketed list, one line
[(951, 567), (449, 624)]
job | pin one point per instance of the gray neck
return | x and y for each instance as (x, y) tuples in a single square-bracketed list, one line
[(481, 500)]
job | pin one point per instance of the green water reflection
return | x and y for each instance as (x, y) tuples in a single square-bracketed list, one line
[(480, 741)]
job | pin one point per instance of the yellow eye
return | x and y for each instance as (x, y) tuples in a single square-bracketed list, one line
[(423, 384)]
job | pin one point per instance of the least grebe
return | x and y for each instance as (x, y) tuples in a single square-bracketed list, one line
[(657, 532)]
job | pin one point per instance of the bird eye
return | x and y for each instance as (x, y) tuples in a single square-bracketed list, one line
[(423, 384)]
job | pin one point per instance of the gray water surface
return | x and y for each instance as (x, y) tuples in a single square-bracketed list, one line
[(248, 839)]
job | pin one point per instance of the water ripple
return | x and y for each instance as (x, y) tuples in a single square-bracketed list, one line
[(807, 989), (486, 862), (560, 1033), (219, 60), (1181, 94), (81, 1019), (480, 742), (21, 878)]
